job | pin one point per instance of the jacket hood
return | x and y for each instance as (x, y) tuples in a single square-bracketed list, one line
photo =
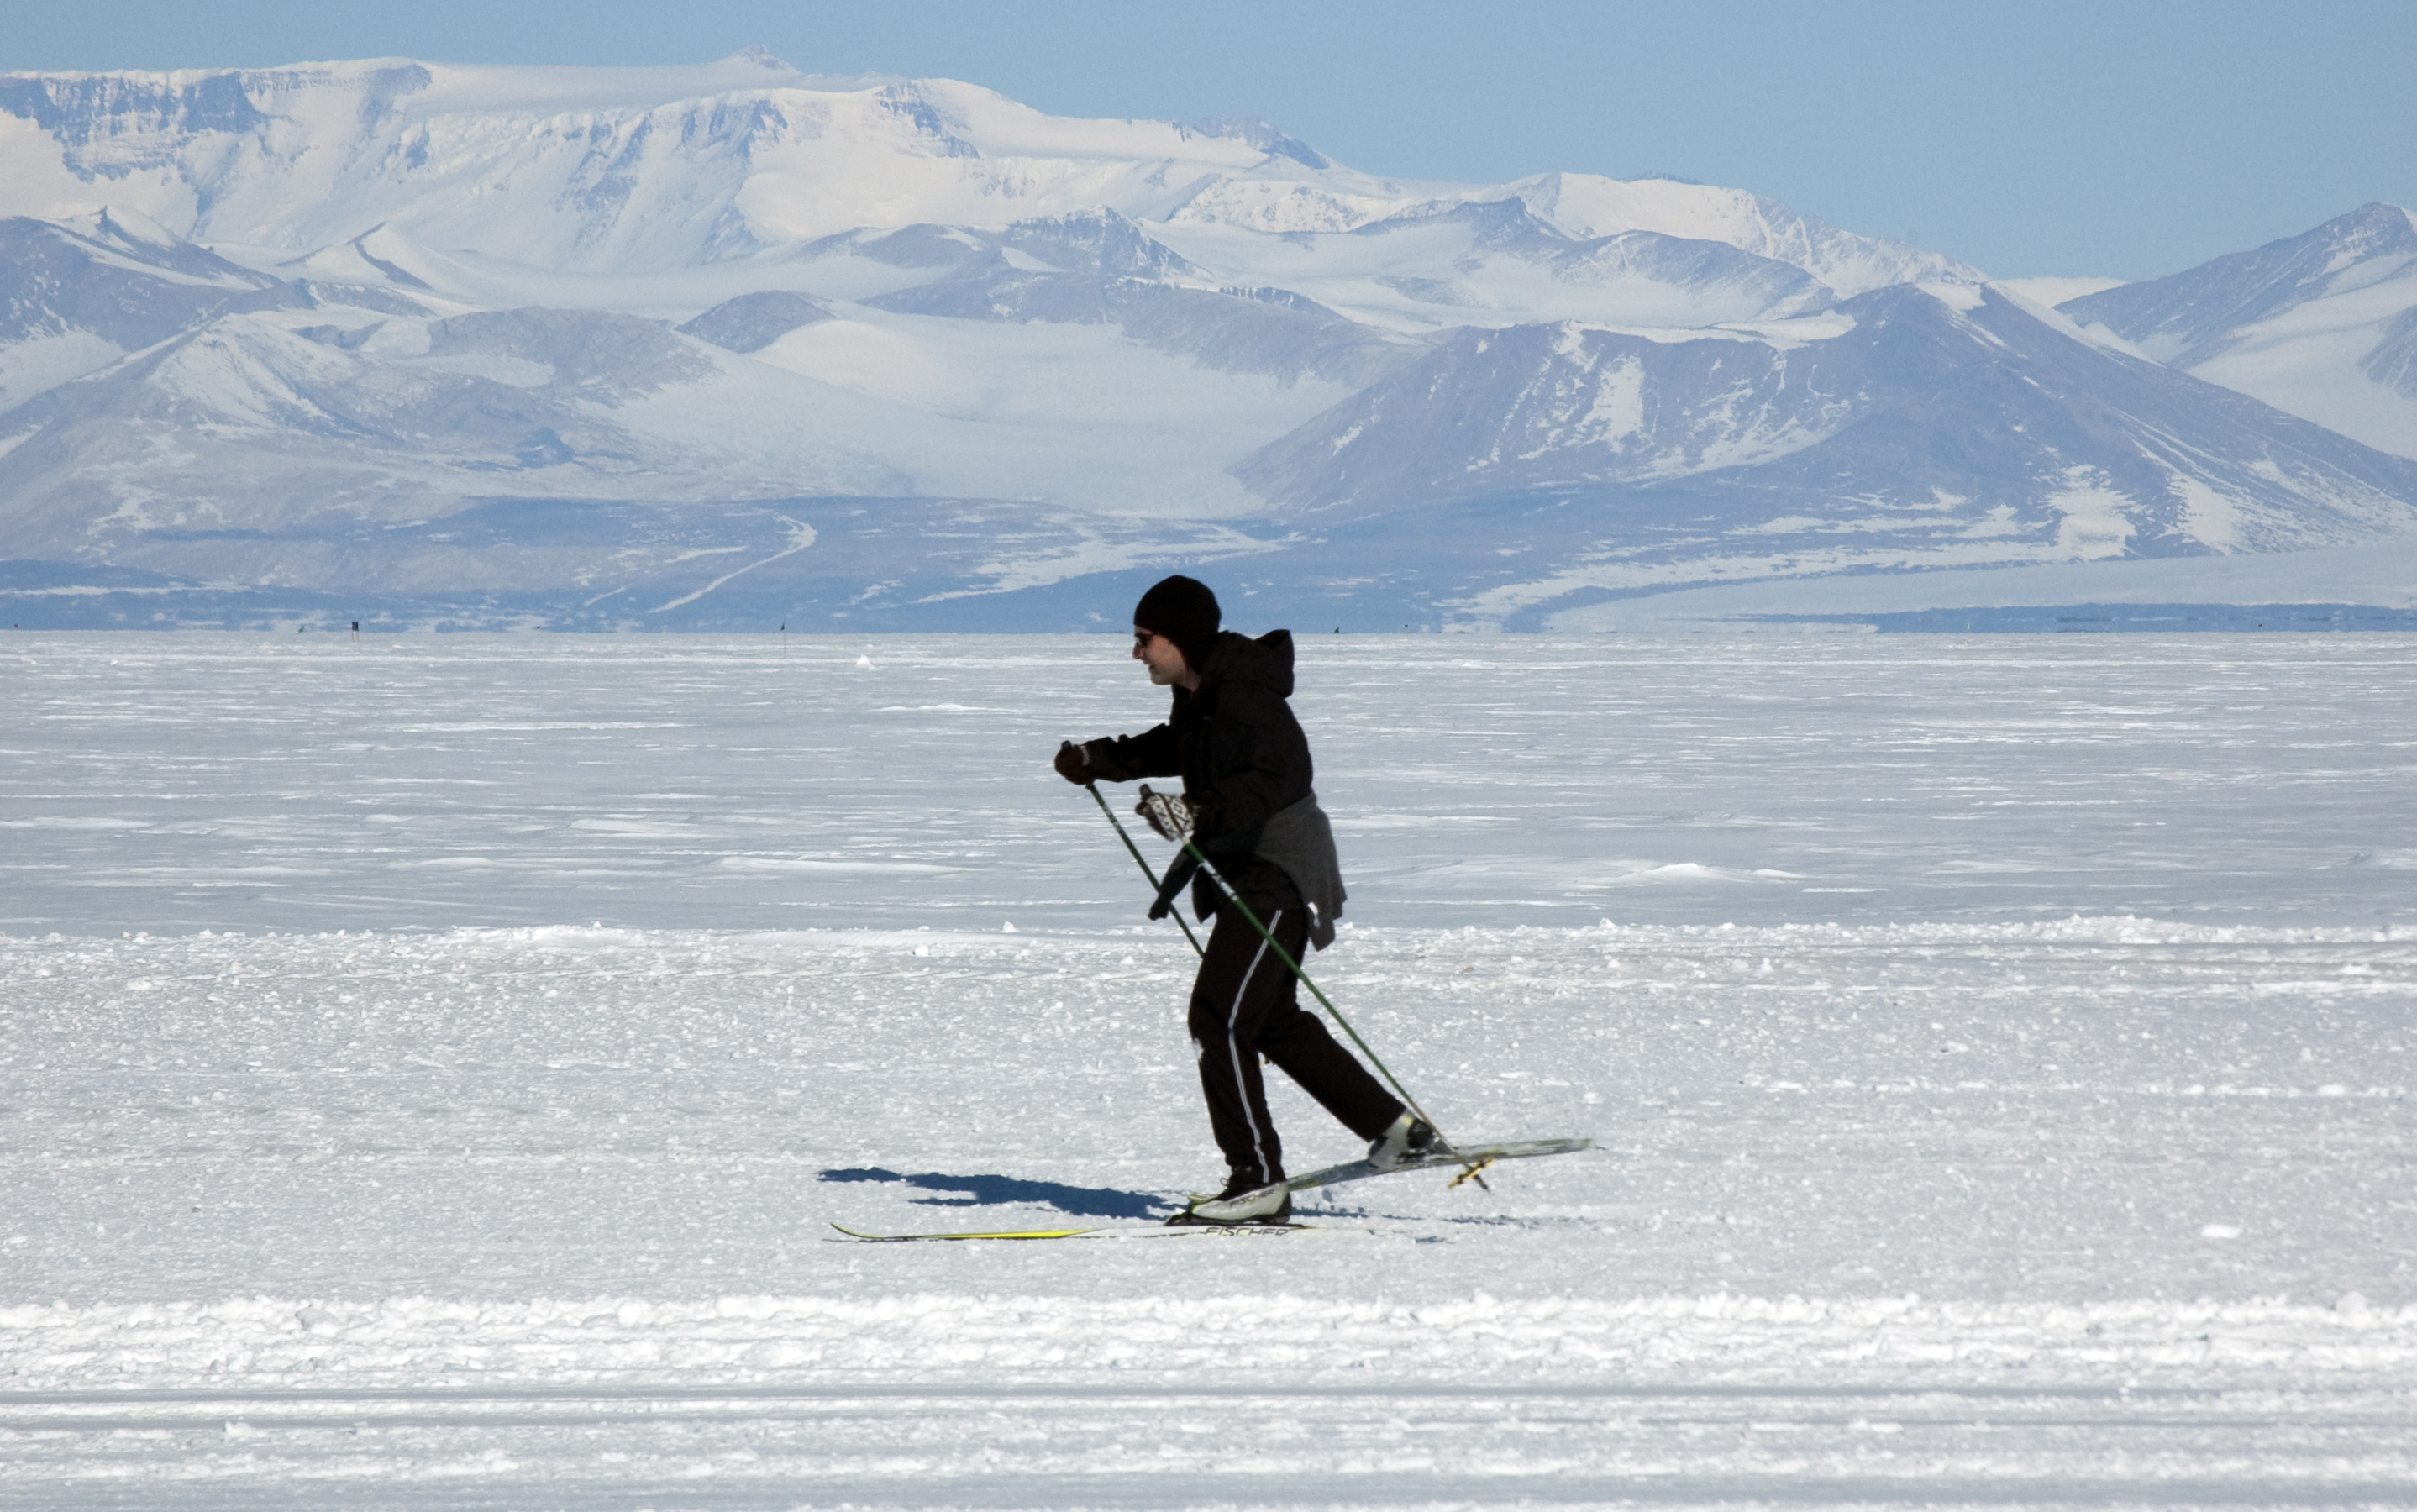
[(1266, 662)]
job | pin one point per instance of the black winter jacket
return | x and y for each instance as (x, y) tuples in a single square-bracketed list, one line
[(1238, 749)]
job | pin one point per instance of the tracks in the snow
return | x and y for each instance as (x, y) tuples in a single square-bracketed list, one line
[(1037, 1443)]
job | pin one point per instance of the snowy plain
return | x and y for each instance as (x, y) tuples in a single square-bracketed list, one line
[(430, 1063)]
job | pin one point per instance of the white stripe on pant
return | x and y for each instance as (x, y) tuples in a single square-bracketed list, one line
[(1234, 1048)]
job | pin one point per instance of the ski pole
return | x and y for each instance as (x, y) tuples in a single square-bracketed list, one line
[(1094, 788), (1473, 1169)]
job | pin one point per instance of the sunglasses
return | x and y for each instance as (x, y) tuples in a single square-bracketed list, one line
[(1143, 638)]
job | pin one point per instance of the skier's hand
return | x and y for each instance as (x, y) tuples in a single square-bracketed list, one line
[(1169, 815), (1073, 764)]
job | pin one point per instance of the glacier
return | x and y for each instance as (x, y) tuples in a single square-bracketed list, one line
[(738, 347)]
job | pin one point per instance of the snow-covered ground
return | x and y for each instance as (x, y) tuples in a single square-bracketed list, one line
[(430, 1066)]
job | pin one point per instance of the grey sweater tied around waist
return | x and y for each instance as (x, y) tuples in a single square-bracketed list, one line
[(1298, 841)]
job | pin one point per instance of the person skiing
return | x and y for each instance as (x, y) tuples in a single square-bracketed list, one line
[(1247, 804)]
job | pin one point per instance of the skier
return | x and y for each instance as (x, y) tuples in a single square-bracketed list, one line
[(1247, 804)]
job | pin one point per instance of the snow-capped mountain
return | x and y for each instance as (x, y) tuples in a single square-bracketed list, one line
[(1915, 426), (650, 169), (82, 294), (1887, 402), (730, 344), (2322, 325)]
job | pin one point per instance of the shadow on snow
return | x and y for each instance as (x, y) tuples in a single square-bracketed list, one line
[(995, 1191)]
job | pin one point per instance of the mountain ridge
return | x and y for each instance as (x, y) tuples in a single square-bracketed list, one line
[(2318, 325), (344, 329)]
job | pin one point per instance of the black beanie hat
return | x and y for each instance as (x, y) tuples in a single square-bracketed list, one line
[(1185, 612)]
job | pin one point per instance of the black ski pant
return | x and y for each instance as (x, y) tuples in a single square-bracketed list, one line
[(1244, 1002)]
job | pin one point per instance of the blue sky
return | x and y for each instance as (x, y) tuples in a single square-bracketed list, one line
[(2128, 139)]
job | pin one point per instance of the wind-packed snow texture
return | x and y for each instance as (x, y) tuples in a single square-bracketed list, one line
[(735, 346), (431, 1062), (310, 782)]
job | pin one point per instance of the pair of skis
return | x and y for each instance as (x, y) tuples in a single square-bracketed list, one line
[(1469, 1159)]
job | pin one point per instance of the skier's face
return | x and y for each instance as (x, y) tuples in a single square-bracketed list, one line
[(1162, 656)]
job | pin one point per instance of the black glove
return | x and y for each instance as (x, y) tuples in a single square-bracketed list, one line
[(1073, 765), (1176, 876)]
